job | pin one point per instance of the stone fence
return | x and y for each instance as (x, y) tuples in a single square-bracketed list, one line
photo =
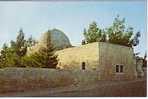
[(19, 79)]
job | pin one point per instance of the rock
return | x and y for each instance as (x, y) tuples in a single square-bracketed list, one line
[(58, 39)]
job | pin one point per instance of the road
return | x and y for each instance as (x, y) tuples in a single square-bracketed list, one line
[(99, 88)]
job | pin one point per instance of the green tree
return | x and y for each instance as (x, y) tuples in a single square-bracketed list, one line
[(94, 34), (21, 47), (3, 55), (7, 57), (18, 49), (103, 37), (135, 40), (119, 34), (46, 57)]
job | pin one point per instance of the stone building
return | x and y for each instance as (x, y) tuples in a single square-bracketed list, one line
[(108, 61), (111, 61)]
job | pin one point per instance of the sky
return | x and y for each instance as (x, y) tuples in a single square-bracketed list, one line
[(70, 17)]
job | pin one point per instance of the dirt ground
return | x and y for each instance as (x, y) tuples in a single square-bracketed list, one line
[(136, 88)]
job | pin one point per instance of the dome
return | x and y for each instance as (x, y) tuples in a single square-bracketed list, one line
[(58, 39)]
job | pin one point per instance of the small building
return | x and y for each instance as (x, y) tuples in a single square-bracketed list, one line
[(108, 61), (111, 61)]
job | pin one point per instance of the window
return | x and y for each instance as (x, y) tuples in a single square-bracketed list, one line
[(83, 65), (119, 68)]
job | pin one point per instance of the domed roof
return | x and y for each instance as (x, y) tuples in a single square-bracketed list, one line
[(58, 39)]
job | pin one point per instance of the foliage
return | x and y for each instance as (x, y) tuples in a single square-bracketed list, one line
[(44, 58), (15, 55), (94, 34), (7, 57), (46, 54), (3, 55), (18, 49), (117, 33)]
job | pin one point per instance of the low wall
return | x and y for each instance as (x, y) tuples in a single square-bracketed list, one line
[(20, 79)]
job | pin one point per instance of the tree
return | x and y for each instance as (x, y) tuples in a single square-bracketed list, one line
[(93, 34), (135, 40), (21, 48), (119, 34), (103, 37), (18, 49), (3, 55), (31, 41), (45, 57), (7, 57)]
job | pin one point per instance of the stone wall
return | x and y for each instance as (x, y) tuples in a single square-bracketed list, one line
[(112, 55), (48, 74), (72, 58), (20, 79)]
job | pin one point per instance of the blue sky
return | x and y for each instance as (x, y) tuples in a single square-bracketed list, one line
[(70, 17)]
